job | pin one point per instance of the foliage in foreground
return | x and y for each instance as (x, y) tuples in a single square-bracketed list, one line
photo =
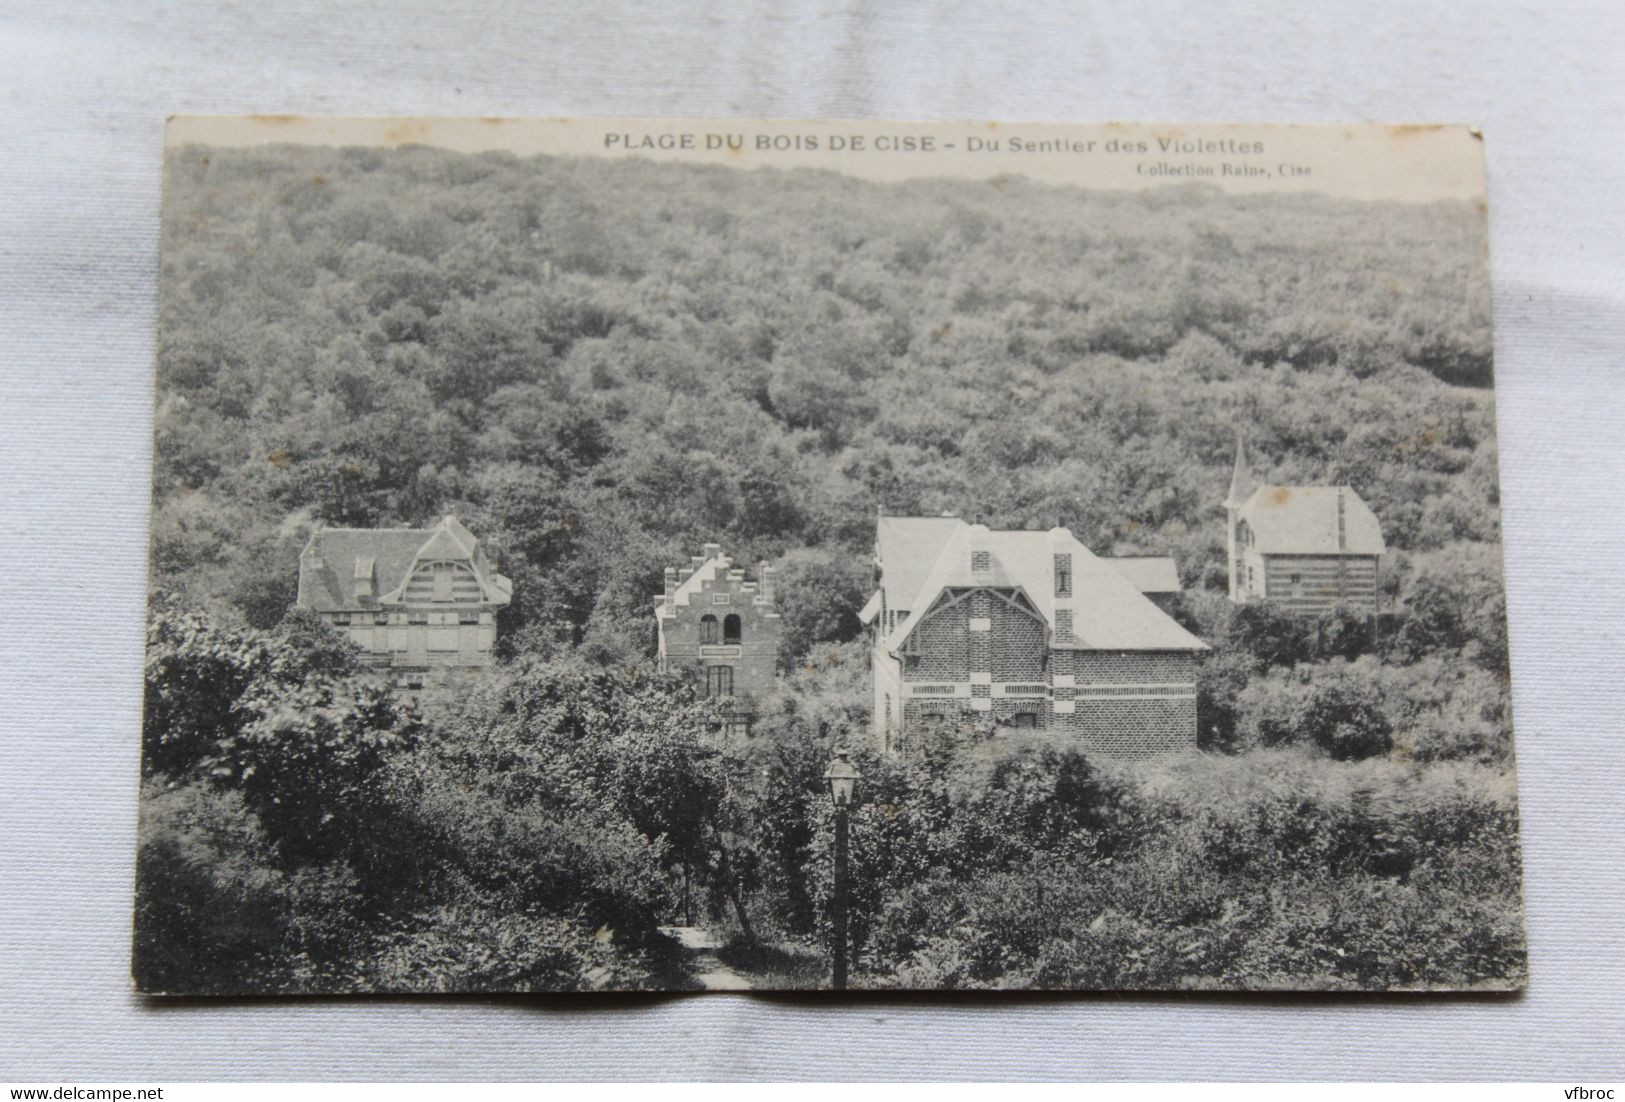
[(300, 832), (1031, 866)]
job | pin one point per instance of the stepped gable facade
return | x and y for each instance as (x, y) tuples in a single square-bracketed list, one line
[(721, 626), (1025, 630)]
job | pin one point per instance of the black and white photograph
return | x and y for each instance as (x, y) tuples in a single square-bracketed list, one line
[(719, 555)]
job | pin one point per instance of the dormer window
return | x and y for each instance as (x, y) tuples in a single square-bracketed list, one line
[(1063, 575)]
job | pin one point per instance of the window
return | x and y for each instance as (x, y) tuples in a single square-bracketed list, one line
[(380, 617), (708, 630), (1063, 575), (417, 617), (1295, 578), (1063, 625), (468, 616), (719, 681), (730, 629), (981, 560), (341, 617)]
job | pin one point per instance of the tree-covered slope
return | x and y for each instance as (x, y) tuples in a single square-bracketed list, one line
[(603, 364)]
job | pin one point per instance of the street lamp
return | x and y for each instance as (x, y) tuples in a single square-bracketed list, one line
[(842, 778)]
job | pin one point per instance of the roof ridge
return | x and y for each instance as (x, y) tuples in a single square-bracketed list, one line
[(329, 528)]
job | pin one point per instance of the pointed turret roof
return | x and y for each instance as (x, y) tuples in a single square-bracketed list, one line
[(1241, 479)]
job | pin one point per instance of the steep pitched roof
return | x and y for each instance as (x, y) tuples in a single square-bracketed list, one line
[(1108, 610), (1302, 520), (1148, 573), (1241, 479), (334, 559), (909, 547)]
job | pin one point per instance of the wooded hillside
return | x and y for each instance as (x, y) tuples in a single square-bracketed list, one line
[(602, 365)]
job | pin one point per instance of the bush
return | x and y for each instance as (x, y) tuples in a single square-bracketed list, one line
[(1336, 707)]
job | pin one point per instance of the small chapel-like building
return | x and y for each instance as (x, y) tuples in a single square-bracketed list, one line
[(1308, 549)]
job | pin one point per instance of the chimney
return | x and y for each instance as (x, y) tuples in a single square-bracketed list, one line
[(671, 580), (764, 574)]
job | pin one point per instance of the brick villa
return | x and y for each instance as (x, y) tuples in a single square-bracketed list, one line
[(1025, 629)]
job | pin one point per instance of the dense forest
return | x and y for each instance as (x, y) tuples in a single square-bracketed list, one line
[(601, 365)]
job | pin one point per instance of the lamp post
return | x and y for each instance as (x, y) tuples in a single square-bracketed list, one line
[(842, 778)]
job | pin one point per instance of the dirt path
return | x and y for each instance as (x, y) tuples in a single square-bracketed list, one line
[(702, 945)]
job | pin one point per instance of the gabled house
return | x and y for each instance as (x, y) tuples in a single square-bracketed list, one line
[(722, 628), (1025, 629), (415, 600), (1308, 549)]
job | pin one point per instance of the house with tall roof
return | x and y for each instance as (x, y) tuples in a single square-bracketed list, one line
[(1025, 630), (417, 601), (1308, 549), (721, 627)]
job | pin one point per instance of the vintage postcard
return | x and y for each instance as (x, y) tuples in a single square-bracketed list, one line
[(722, 555)]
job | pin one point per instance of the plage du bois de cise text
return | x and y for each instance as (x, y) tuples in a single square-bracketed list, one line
[(1156, 157)]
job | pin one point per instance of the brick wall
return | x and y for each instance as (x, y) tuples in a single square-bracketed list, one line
[(1006, 709), (754, 659), (1130, 728), (1137, 667), (1011, 649), (917, 711), (1145, 711), (1018, 650), (1136, 718), (943, 643)]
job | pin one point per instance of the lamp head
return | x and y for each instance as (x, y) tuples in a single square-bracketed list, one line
[(842, 778)]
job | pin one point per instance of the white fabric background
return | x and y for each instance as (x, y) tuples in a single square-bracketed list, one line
[(84, 88)]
